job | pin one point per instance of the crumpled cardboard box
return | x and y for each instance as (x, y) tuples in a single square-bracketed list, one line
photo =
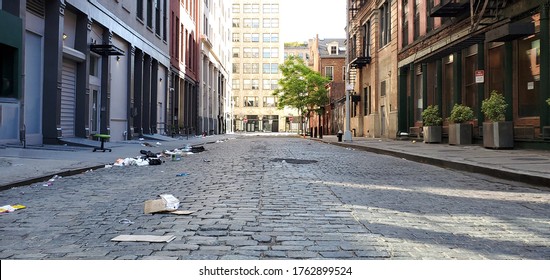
[(166, 203)]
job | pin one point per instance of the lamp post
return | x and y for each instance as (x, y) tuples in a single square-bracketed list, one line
[(347, 132)]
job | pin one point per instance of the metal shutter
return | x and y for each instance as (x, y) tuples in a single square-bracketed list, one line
[(68, 98)]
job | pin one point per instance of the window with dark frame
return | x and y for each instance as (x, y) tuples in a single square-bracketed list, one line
[(139, 9), (385, 20), (405, 28), (150, 13)]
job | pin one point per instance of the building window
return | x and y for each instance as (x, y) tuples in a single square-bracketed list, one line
[(529, 77), (236, 69), (164, 20), (329, 71), (418, 106), (470, 86), (251, 8), (270, 68), (367, 101), (270, 8), (251, 68), (236, 52), (150, 13), (416, 19), (236, 22), (496, 68), (405, 28), (251, 23), (429, 19), (366, 39), (383, 88), (236, 84), (236, 8), (251, 53), (251, 101), (236, 101), (448, 88), (8, 64), (255, 37), (157, 17), (385, 29), (236, 37), (139, 9), (271, 23), (270, 52), (270, 101)]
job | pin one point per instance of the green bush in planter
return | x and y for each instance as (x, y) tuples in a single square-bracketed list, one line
[(548, 101), (431, 116), (494, 107), (461, 114)]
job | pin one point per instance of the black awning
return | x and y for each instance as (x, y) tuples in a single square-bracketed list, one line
[(450, 8), (106, 50), (510, 32)]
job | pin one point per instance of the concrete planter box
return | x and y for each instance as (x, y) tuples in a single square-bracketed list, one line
[(460, 134), (498, 135), (432, 134)]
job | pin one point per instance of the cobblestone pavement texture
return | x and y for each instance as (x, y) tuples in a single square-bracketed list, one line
[(280, 198)]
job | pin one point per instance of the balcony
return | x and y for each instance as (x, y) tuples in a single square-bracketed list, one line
[(360, 61), (450, 8)]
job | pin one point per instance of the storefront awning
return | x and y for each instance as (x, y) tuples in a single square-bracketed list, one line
[(106, 50), (449, 8), (510, 32)]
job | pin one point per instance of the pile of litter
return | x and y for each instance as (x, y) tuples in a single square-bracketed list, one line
[(150, 158)]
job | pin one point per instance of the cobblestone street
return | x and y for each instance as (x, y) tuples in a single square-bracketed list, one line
[(280, 198)]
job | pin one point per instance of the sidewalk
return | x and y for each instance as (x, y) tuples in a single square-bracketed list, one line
[(521, 165), (19, 166), (24, 166)]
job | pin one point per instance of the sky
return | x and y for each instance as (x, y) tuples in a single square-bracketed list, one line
[(303, 19)]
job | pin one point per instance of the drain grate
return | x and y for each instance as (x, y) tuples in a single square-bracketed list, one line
[(294, 161)]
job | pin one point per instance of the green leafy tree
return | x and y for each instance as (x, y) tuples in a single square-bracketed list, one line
[(300, 87)]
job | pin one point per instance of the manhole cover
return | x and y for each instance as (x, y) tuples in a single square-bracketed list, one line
[(294, 161)]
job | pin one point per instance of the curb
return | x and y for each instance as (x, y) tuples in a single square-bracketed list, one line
[(47, 177), (493, 172)]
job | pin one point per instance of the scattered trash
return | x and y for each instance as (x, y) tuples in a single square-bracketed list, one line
[(158, 144), (182, 174), (206, 160), (11, 208), (108, 166), (126, 221), (144, 238), (146, 144), (182, 212), (167, 203), (47, 184), (414, 141), (141, 139)]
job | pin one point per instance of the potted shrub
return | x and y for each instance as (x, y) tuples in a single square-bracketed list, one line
[(460, 130), (431, 124), (497, 133)]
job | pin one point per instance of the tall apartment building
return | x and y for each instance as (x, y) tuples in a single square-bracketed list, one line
[(184, 67), (213, 110), (372, 67), (78, 68), (257, 53)]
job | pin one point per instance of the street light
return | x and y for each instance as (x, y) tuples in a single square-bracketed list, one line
[(347, 132)]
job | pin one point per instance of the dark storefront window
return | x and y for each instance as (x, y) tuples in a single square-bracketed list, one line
[(7, 72), (418, 93), (448, 88), (496, 69), (528, 76), (470, 86)]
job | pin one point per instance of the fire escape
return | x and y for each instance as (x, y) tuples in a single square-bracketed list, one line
[(356, 57)]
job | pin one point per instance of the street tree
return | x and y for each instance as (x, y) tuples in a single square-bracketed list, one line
[(301, 88)]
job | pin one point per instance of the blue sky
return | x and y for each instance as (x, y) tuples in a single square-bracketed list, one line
[(303, 19)]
